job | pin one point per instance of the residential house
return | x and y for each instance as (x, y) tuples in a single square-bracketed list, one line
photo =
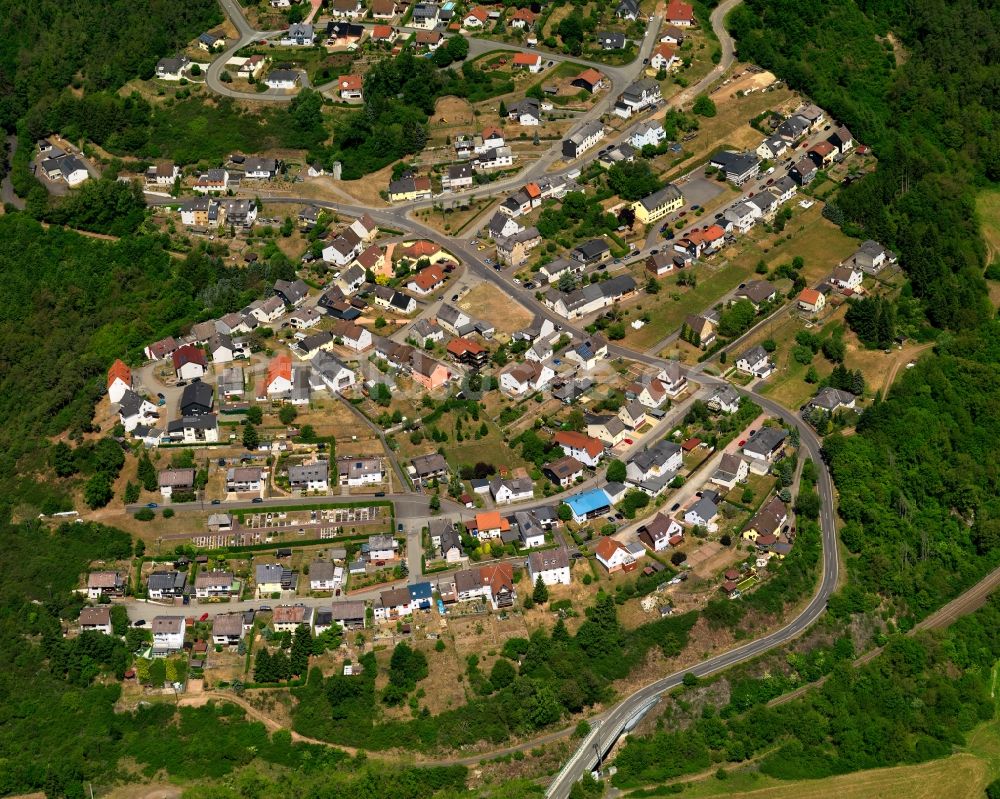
[(214, 180), (632, 414), (162, 174), (322, 576), (756, 292), (189, 362), (563, 472), (292, 293), (202, 212), (847, 278), (732, 470), (105, 584), (813, 114), (811, 300), (704, 512), (609, 429), (737, 167), (680, 14), (282, 79), (724, 399), (161, 349), (671, 34), (700, 330), (871, 257), (343, 249), (514, 250), (425, 468), (523, 18), (211, 584), (842, 140), (611, 40), (381, 548), (661, 533), (408, 188), (266, 311), (588, 352), (383, 9), (425, 16), (172, 68), (660, 264), (288, 618), (392, 604), (330, 373), (586, 137), (637, 96), (766, 203), (658, 204), (529, 61), (349, 614), (525, 112), (357, 472), (202, 429), (350, 88), (507, 490), (647, 133), (458, 176), (705, 241), (804, 171), (347, 9), (227, 629), (793, 128), (590, 79), (767, 521), (426, 281), (392, 300), (584, 448), (614, 556), (627, 9), (495, 158), (771, 148), (197, 399), (523, 378), (119, 381), (134, 410), (244, 479), (468, 352), (652, 469), (551, 565), (279, 376), (498, 580), (170, 480), (590, 298), (166, 585), (271, 578), (304, 319), (589, 505), (96, 620), (831, 399), (431, 39), (755, 361), (299, 34), (742, 216), (313, 476), (168, 635), (823, 154), (785, 189), (765, 444)]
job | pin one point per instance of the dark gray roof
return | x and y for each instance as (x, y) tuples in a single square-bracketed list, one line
[(195, 397), (167, 581), (668, 192), (766, 440)]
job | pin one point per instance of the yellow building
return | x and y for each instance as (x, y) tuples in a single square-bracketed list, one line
[(658, 204)]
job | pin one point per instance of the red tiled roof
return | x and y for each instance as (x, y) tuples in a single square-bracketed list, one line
[(680, 10), (665, 50), (350, 82), (428, 278), (525, 14), (421, 248), (188, 354), (571, 438), (526, 59), (459, 346), (119, 371), (809, 296), (591, 76), (479, 13), (280, 366)]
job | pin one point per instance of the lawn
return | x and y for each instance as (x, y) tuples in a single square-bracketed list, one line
[(988, 207)]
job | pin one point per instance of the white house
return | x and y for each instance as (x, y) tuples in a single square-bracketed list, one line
[(614, 555), (282, 79), (704, 512), (168, 635), (213, 584), (847, 277), (523, 378), (134, 410), (511, 490), (551, 565), (119, 381), (650, 133), (755, 362)]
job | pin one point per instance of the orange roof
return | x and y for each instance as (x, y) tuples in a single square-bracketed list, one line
[(571, 438), (532, 190), (823, 148), (809, 296), (665, 50), (459, 346), (119, 371), (421, 248), (280, 366), (707, 235), (491, 520), (680, 10), (428, 277), (382, 32), (526, 59), (525, 14), (479, 13), (607, 547), (592, 76), (350, 82), (492, 131), (497, 575)]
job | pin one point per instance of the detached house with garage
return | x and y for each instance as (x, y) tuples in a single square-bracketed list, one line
[(189, 362), (661, 533), (586, 449), (614, 556), (552, 566), (756, 362), (732, 470)]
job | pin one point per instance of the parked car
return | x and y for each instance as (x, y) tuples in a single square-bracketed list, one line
[(629, 441), (380, 493), (675, 506), (216, 501), (152, 505), (139, 623), (257, 500), (454, 298)]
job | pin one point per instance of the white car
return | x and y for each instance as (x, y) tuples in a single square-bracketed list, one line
[(517, 281)]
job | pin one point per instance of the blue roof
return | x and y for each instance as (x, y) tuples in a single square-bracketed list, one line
[(421, 591), (588, 501)]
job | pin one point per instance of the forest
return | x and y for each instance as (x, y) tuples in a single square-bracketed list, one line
[(82, 304), (49, 45)]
